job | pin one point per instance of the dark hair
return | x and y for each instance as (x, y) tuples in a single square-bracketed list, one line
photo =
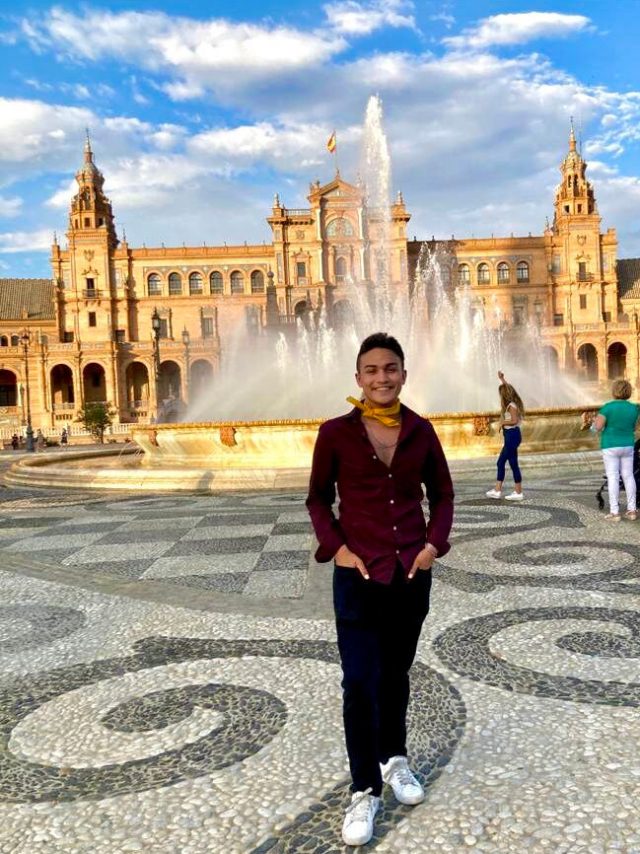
[(383, 340)]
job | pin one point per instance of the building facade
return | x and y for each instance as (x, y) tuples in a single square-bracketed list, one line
[(144, 328)]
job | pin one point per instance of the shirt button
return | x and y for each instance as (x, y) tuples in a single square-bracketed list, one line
[(390, 475), (395, 527), (397, 551), (374, 457), (392, 501)]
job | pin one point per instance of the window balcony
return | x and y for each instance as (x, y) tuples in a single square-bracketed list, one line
[(92, 293)]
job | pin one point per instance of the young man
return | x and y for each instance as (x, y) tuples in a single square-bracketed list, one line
[(378, 456)]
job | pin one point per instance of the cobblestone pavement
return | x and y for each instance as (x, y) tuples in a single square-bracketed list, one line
[(169, 678)]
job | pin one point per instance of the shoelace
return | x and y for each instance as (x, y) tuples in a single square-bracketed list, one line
[(359, 809), (403, 774)]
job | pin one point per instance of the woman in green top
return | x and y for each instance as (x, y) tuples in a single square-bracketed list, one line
[(616, 423)]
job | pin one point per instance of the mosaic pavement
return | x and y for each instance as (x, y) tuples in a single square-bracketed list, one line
[(169, 679)]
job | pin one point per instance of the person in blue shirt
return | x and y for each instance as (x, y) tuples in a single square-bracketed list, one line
[(616, 422)]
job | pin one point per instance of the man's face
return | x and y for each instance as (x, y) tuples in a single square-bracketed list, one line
[(381, 376)]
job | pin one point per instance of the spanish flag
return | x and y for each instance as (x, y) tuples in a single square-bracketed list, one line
[(332, 143)]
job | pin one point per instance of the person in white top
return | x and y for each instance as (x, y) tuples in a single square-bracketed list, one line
[(512, 413)]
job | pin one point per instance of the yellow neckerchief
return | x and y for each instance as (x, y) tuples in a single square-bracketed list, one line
[(387, 415)]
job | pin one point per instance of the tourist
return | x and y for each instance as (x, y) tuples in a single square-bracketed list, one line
[(512, 413), (15, 442), (378, 456), (41, 442), (616, 422), (64, 437)]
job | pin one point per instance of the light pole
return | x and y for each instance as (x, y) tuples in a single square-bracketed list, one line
[(156, 326), (186, 338), (26, 340)]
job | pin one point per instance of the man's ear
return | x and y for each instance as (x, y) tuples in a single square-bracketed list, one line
[(357, 375)]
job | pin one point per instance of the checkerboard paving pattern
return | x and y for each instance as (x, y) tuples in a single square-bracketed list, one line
[(234, 545)]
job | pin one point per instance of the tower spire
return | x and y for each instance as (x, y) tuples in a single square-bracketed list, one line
[(572, 137)]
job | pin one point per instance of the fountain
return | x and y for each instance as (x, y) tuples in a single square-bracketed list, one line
[(453, 349)]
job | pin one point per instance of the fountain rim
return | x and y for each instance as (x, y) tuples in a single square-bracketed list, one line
[(312, 422)]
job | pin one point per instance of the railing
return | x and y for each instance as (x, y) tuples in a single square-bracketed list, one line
[(138, 404), (63, 407), (297, 211), (169, 345), (11, 351), (584, 277), (302, 281), (602, 326), (92, 293), (9, 410), (618, 324), (61, 345)]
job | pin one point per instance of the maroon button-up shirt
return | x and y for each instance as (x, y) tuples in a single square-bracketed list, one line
[(380, 516)]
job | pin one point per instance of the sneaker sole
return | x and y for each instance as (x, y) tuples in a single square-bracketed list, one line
[(411, 802)]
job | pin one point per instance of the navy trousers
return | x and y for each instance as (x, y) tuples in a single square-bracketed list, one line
[(378, 628), (509, 454)]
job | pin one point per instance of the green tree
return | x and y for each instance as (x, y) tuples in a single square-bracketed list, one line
[(96, 417)]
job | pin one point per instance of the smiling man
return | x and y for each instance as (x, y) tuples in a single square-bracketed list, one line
[(379, 456)]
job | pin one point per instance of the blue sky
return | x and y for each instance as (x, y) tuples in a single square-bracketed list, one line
[(200, 112)]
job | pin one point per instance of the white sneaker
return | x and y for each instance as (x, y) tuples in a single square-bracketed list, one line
[(405, 787), (493, 493), (515, 496), (357, 827)]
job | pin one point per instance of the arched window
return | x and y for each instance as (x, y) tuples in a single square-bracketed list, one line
[(15, 341), (195, 284), (4, 341), (463, 274), (503, 272), (341, 269), (175, 284), (522, 271), (237, 282), (216, 285), (483, 274), (340, 227), (154, 285), (257, 282)]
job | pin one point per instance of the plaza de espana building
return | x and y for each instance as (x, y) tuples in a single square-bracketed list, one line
[(143, 328)]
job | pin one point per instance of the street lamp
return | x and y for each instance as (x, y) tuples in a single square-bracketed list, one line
[(26, 340), (156, 325), (186, 338)]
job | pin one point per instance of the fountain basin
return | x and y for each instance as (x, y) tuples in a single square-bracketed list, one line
[(257, 455)]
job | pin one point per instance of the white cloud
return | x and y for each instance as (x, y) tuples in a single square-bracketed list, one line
[(25, 241), (292, 147), (518, 28), (216, 54), (358, 19), (10, 206)]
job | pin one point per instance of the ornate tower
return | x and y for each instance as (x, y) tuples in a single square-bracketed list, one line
[(574, 195), (580, 259), (90, 209), (85, 272)]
